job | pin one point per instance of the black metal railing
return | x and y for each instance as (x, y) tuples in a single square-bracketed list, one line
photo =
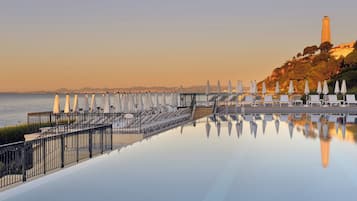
[(24, 160)]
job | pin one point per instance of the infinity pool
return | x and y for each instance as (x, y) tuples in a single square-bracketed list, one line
[(255, 157)]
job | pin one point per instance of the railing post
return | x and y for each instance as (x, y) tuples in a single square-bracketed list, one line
[(23, 159), (62, 150), (77, 153), (111, 137), (44, 154), (90, 143), (102, 140)]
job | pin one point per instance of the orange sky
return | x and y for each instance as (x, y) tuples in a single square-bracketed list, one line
[(50, 45)]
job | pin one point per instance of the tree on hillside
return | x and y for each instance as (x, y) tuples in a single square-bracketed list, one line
[(310, 50), (355, 45), (298, 55), (325, 47)]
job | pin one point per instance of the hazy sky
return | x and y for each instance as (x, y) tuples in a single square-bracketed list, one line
[(120, 43)]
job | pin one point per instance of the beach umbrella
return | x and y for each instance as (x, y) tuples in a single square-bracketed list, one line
[(325, 88), (125, 103), (208, 88), (264, 88), (291, 87), (307, 89), (337, 87), (218, 87), (229, 128), (117, 103), (106, 104), (343, 87), (319, 88), (277, 87), (255, 87), (67, 105), (208, 128), (75, 103), (157, 102), (93, 104), (239, 88), (229, 87), (85, 103), (56, 105)]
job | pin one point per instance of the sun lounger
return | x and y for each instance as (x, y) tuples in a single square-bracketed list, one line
[(268, 99), (350, 99), (284, 99), (314, 99), (332, 100)]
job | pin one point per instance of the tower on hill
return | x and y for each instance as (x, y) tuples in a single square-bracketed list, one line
[(326, 33)]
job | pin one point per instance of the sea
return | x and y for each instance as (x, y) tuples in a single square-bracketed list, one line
[(14, 107)]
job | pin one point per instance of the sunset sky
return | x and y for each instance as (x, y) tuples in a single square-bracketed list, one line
[(48, 44)]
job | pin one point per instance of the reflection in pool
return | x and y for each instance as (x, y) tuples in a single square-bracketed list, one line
[(250, 157)]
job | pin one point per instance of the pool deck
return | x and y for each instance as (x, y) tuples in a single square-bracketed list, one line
[(286, 109)]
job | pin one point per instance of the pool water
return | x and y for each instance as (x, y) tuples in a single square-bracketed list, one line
[(294, 158)]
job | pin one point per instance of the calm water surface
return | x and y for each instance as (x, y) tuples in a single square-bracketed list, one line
[(14, 107), (302, 160)]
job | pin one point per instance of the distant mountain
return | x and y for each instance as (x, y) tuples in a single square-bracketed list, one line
[(317, 64)]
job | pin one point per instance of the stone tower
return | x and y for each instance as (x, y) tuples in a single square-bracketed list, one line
[(326, 33)]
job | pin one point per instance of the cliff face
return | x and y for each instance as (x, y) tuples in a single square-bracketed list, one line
[(313, 67)]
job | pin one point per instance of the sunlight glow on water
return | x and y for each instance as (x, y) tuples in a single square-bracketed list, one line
[(195, 166)]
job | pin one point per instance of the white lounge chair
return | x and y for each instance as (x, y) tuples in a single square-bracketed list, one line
[(284, 99), (248, 100), (350, 99), (314, 99), (268, 99), (332, 100)]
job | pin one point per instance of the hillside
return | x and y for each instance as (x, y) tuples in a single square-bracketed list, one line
[(316, 64)]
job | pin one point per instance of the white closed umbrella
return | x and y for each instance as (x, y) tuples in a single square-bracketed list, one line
[(75, 103), (85, 103), (117, 103), (229, 87), (337, 87), (264, 88), (343, 87), (319, 88), (291, 87), (218, 87), (56, 105), (67, 105), (307, 89), (255, 87), (106, 105), (277, 87), (325, 88), (208, 88), (239, 88), (93, 104)]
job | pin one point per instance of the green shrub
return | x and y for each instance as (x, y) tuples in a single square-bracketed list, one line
[(17, 133)]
